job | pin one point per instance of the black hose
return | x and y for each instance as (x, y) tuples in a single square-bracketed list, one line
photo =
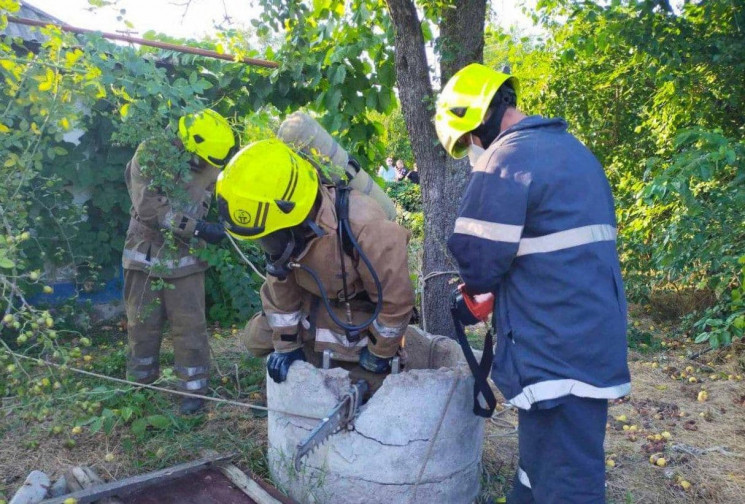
[(325, 298)]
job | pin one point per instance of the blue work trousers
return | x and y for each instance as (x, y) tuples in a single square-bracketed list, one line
[(562, 460)]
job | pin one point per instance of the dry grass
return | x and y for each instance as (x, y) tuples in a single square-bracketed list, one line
[(31, 445), (671, 303), (708, 451)]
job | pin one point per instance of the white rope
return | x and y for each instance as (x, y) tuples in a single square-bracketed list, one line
[(161, 389), (432, 441), (501, 423), (422, 283), (243, 256)]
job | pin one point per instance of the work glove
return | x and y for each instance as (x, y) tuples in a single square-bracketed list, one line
[(210, 232), (373, 363), (278, 363)]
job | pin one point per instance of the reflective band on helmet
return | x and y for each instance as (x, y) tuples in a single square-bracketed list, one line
[(553, 389), (522, 477), (388, 331), (139, 257), (567, 239), (277, 320), (190, 371), (488, 230), (328, 336), (194, 384)]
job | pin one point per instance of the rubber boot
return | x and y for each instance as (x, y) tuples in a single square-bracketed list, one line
[(191, 406)]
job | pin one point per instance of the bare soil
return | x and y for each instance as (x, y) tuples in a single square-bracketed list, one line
[(706, 444)]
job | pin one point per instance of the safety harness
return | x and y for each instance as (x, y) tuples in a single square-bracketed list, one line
[(480, 370)]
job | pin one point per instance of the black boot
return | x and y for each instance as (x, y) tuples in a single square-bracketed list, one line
[(191, 406)]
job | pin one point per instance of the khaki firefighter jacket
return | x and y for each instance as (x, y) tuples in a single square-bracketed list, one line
[(154, 213), (293, 307)]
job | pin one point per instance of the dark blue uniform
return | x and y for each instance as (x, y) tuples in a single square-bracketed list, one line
[(537, 228)]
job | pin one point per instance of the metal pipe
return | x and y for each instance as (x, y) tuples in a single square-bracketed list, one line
[(152, 43)]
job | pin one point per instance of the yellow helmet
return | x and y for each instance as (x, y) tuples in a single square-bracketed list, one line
[(208, 135), (264, 188), (463, 103)]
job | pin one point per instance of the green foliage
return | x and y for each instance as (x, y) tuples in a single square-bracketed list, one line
[(408, 197), (335, 58), (406, 194), (395, 137), (725, 322), (658, 98), (231, 286)]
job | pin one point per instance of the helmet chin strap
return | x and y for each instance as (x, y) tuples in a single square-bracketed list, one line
[(490, 129), (294, 242)]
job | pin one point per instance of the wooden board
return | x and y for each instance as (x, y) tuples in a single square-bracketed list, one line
[(208, 486), (136, 483)]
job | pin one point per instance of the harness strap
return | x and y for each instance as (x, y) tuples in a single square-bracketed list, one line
[(480, 370)]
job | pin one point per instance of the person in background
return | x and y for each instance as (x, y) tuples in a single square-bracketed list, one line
[(401, 170), (387, 172), (413, 175), (149, 259)]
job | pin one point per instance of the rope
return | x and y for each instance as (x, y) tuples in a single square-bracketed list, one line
[(502, 423), (243, 256), (422, 284), (432, 441), (161, 389), (432, 345)]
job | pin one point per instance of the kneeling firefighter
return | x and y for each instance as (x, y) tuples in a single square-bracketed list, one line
[(337, 269)]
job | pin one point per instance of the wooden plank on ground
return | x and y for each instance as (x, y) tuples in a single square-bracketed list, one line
[(79, 478), (247, 485), (128, 485)]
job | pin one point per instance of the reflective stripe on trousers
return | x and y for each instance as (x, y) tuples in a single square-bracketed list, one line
[(522, 476), (194, 384), (388, 331), (280, 320), (190, 371), (328, 336)]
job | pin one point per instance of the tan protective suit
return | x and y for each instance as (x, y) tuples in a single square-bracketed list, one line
[(292, 307), (146, 257)]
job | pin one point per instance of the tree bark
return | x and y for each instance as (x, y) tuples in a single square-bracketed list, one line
[(442, 179)]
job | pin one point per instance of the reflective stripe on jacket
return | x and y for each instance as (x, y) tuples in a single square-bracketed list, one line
[(537, 227), (153, 211), (289, 302)]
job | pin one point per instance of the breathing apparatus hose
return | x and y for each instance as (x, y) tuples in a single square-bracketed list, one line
[(324, 297)]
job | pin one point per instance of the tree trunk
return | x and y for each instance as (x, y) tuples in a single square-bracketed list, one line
[(442, 179)]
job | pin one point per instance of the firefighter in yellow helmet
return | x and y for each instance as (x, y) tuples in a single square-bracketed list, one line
[(149, 257), (536, 228), (338, 274)]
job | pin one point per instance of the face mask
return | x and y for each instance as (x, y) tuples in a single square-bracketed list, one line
[(474, 153)]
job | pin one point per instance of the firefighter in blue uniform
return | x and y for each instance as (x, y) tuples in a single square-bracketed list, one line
[(537, 228)]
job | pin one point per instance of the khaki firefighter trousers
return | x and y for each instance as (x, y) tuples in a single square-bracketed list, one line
[(147, 311), (257, 339)]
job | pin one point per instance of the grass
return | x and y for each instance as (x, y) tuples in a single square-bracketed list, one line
[(39, 429), (706, 445)]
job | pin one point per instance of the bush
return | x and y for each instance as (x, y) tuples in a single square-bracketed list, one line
[(407, 195)]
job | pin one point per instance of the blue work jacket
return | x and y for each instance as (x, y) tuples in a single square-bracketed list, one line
[(537, 228)]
